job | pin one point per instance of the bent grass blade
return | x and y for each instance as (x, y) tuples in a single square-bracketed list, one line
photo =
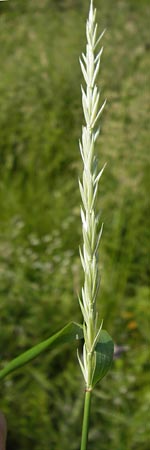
[(71, 332)]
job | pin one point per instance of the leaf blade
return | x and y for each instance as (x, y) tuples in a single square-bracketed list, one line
[(104, 355), (72, 331)]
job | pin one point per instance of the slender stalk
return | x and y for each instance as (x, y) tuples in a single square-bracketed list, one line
[(86, 417)]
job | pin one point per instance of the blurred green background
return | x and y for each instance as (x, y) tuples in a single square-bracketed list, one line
[(40, 231)]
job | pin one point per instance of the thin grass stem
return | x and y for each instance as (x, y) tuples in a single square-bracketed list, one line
[(86, 418)]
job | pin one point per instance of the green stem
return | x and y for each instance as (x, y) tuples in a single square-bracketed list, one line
[(86, 417)]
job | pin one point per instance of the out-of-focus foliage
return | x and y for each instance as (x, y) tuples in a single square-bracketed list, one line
[(40, 273)]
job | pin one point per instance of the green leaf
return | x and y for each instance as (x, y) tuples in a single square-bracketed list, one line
[(71, 332), (104, 355)]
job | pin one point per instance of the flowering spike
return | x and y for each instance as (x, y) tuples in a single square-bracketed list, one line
[(88, 189)]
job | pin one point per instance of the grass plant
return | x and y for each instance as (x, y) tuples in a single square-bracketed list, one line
[(40, 271), (98, 346), (90, 64)]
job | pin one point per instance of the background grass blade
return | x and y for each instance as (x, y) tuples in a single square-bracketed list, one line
[(69, 333)]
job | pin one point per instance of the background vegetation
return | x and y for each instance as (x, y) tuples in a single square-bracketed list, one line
[(40, 272)]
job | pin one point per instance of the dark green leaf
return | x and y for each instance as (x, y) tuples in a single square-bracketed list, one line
[(104, 356)]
